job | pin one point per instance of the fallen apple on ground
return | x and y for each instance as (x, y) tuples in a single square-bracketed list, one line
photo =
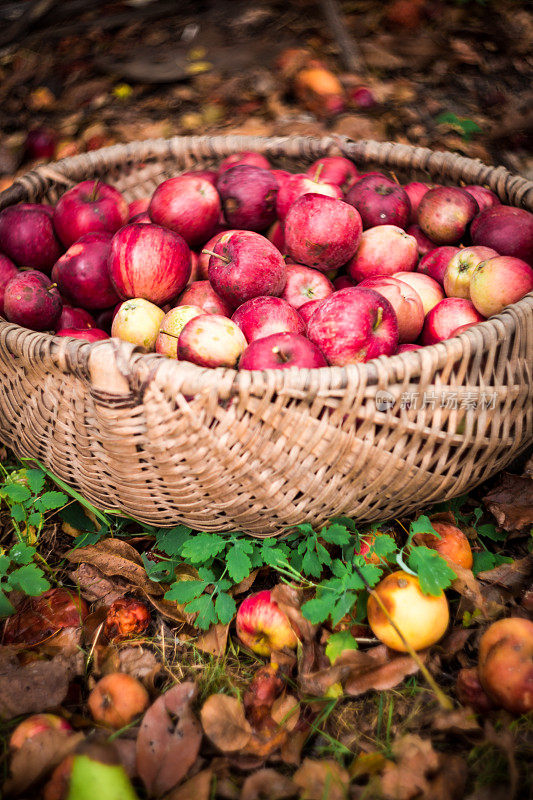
[(263, 626)]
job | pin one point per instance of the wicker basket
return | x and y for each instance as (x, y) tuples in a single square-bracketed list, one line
[(171, 442)]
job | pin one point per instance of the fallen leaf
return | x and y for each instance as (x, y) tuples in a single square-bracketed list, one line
[(224, 723), (377, 668), (460, 720), (246, 584), (291, 749), (367, 764), (290, 599), (169, 739), (468, 587), (38, 756), (511, 502), (286, 712), (267, 784), (407, 778), (38, 618), (135, 661), (513, 577), (214, 640), (95, 587), (198, 787), (117, 557), (450, 781), (321, 780), (127, 753), (37, 686)]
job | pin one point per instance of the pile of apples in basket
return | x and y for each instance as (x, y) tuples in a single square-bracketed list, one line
[(258, 268)]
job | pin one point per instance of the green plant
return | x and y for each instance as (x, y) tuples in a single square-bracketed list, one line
[(464, 126)]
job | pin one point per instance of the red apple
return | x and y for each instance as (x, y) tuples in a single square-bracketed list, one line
[(40, 143), (137, 207), (31, 300), (82, 273), (194, 268), (405, 301), (446, 317), (207, 174), (383, 250), (171, 327), (507, 230), (498, 282), (462, 329), (354, 325), (263, 626), (262, 316), (380, 201), (405, 348), (305, 284), (7, 271), (104, 319), (89, 334), (143, 218), (337, 170), (483, 196), (244, 157), (282, 351), (138, 321), (27, 236), (188, 206), (435, 262), (276, 236), (445, 212), (298, 185), (415, 192), (245, 264), (248, 196), (75, 318), (205, 254), (343, 282), (202, 294), (281, 175), (211, 340), (307, 310), (149, 261), (461, 268), (429, 291), (89, 207), (322, 232), (423, 242), (34, 725), (361, 97)]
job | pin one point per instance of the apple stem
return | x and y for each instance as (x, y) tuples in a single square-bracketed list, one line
[(444, 701), (52, 286), (280, 354), (379, 317), (94, 192), (317, 173), (212, 253)]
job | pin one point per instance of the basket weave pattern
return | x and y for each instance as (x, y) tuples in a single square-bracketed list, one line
[(171, 442)]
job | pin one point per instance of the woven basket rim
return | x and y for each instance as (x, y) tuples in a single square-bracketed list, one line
[(295, 380)]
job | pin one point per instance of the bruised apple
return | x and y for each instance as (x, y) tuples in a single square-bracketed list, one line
[(211, 340), (263, 626), (506, 664), (33, 301), (172, 325), (422, 619), (499, 281), (117, 699), (429, 291), (126, 617), (248, 196), (34, 725), (138, 321), (445, 212), (461, 268), (452, 543)]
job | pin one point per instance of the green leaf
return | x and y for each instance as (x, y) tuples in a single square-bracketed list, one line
[(6, 608), (484, 561), (159, 571), (371, 573), (311, 564), (318, 610), (35, 518), (343, 606), (16, 492), (29, 579), (336, 534), (74, 515), (204, 607), (489, 532), (170, 541), (422, 525), (273, 556), (238, 562), (184, 591), (337, 643), (346, 522), (203, 547), (36, 480), (22, 553), (434, 574), (225, 607), (18, 513), (383, 545), (5, 563), (50, 501)]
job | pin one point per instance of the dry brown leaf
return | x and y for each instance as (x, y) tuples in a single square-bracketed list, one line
[(267, 784), (468, 587), (377, 668), (169, 739), (214, 640), (246, 584), (38, 756), (95, 587), (321, 780), (127, 754), (290, 599), (460, 720), (196, 788), (117, 557), (513, 577), (170, 610), (286, 712), (407, 778), (37, 686), (291, 749), (511, 502), (450, 781), (224, 723), (135, 661)]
